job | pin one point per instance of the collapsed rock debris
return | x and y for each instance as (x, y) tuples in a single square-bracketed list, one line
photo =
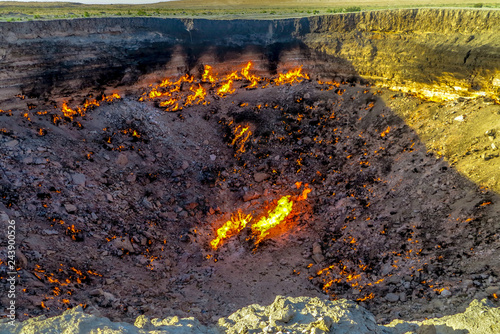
[(284, 315), (121, 201)]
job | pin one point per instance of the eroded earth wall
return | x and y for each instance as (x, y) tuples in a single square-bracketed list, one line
[(439, 53)]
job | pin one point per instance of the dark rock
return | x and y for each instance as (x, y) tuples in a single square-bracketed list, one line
[(259, 177), (78, 179), (392, 297)]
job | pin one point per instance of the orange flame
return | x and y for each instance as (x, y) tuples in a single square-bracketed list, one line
[(199, 94), (176, 107), (165, 82), (112, 97), (290, 77), (370, 296), (68, 112), (167, 103), (386, 131), (172, 87), (71, 113), (305, 192), (241, 135), (230, 228), (92, 103), (226, 88), (252, 78), (207, 75), (267, 224), (154, 93), (233, 76), (222, 87)]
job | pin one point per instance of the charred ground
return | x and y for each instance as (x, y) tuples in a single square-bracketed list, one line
[(116, 209)]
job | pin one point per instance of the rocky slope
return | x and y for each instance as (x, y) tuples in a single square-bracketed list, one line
[(441, 53), (284, 315), (116, 208)]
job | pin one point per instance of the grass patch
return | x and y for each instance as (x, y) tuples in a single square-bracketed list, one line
[(353, 9), (217, 9)]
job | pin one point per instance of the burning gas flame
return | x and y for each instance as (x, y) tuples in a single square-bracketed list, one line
[(207, 75), (88, 104), (386, 131), (230, 228), (233, 76), (112, 97), (198, 94), (81, 110), (304, 194), (167, 103), (274, 218), (175, 98), (67, 111), (226, 88), (290, 77), (264, 226), (154, 93), (252, 78), (241, 135), (165, 83)]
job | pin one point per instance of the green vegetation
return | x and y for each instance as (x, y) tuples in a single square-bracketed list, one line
[(353, 9), (216, 9)]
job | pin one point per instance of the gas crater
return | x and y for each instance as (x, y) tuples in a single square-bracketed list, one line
[(191, 167)]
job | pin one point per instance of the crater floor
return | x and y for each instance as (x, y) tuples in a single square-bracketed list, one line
[(115, 210)]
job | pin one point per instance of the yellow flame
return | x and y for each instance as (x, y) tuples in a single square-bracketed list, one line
[(290, 77), (273, 219), (233, 76), (226, 88), (177, 98), (165, 82), (87, 104), (386, 131), (230, 228), (198, 94), (167, 103), (252, 78), (207, 75), (112, 97), (67, 111), (154, 93)]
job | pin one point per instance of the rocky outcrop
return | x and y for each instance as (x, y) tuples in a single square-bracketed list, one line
[(441, 53), (285, 315)]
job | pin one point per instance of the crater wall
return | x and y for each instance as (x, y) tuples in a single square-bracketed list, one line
[(440, 53)]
